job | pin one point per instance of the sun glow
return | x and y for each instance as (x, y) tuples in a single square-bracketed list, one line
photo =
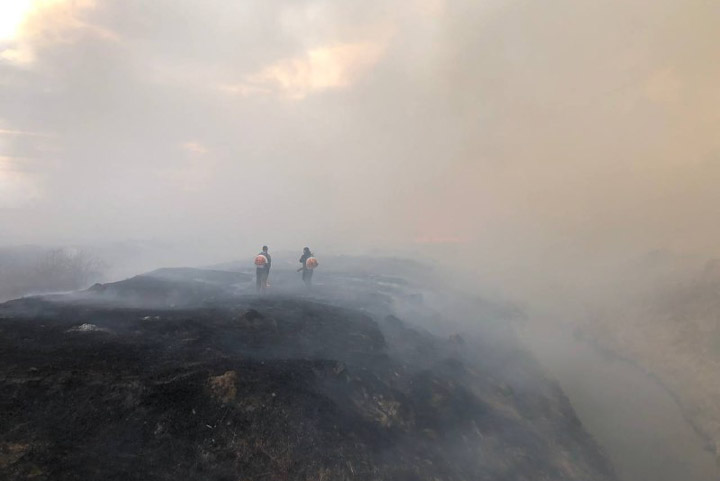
[(12, 15)]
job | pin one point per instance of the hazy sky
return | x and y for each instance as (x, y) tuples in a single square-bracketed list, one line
[(519, 130)]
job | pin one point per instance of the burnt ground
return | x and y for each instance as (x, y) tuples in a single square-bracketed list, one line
[(182, 375)]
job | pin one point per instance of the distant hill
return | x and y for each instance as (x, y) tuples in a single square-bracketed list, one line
[(31, 269)]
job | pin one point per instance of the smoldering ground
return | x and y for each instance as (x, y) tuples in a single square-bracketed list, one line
[(205, 307), (430, 298), (184, 370)]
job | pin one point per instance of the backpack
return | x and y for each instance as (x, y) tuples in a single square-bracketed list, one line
[(311, 263)]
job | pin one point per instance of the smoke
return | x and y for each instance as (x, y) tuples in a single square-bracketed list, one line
[(530, 140)]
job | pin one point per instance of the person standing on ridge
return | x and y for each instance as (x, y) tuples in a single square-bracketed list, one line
[(263, 261), (309, 263), (267, 266)]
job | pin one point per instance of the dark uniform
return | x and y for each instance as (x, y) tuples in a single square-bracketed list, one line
[(262, 273), (306, 273)]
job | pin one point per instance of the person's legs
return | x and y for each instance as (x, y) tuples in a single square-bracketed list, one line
[(267, 274), (259, 278), (307, 277)]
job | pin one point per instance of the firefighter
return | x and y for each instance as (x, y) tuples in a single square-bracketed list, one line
[(309, 263), (263, 262)]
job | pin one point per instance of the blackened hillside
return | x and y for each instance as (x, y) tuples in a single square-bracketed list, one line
[(207, 384)]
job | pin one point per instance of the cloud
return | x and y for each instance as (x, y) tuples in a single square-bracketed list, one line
[(12, 16), (431, 7), (17, 186), (194, 148), (25, 133), (194, 172), (22, 55), (317, 70), (34, 24)]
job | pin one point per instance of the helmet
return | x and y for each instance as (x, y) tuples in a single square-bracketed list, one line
[(311, 263), (260, 260)]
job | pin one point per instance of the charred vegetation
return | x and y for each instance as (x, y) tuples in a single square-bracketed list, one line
[(207, 384)]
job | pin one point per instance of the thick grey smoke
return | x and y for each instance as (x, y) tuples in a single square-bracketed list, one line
[(526, 137), (544, 148)]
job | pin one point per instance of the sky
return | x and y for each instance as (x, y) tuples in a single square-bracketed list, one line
[(515, 134)]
